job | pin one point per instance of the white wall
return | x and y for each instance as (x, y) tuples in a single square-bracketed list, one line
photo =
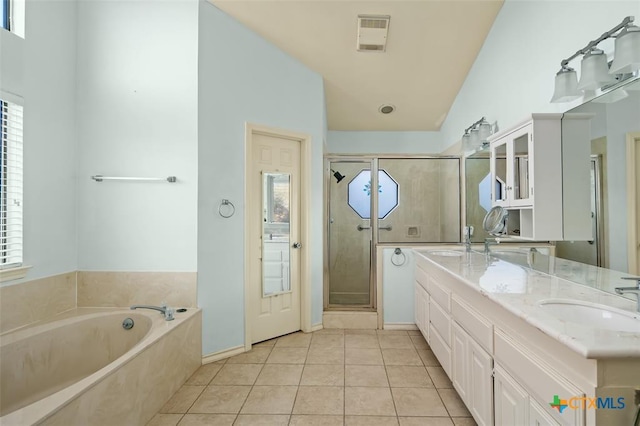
[(137, 115), (358, 142), (514, 72), (41, 70), (243, 78)]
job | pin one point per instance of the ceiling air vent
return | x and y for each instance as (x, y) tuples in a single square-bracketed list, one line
[(372, 33)]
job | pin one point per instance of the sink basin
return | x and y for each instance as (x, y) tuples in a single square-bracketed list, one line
[(447, 253), (590, 314)]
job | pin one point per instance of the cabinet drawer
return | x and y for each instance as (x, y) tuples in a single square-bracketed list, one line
[(440, 321), (422, 278), (478, 327), (440, 294), (440, 349), (540, 381)]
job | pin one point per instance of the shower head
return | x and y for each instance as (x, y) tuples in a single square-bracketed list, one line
[(337, 175)]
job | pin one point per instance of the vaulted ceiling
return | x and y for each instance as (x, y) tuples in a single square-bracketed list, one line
[(431, 46)]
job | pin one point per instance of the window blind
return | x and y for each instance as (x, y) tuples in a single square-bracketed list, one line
[(11, 179)]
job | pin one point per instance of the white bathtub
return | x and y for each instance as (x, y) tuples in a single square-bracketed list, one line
[(84, 368)]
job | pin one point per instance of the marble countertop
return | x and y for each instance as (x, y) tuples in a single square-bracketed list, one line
[(520, 289)]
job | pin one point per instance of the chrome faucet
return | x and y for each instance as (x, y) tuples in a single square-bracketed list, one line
[(635, 290), (166, 311), (488, 243), (467, 238)]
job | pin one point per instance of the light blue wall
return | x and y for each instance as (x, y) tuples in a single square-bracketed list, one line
[(357, 142), (398, 286), (243, 78), (513, 74), (137, 91), (42, 70)]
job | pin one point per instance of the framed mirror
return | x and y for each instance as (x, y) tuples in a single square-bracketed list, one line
[(276, 197)]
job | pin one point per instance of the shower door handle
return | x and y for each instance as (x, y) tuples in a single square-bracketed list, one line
[(386, 228), (362, 228)]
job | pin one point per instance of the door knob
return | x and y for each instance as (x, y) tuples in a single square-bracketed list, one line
[(297, 245)]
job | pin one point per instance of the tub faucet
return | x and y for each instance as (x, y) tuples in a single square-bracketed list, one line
[(635, 290), (166, 311)]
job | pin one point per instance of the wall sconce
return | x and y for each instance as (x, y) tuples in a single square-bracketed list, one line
[(595, 71), (476, 135)]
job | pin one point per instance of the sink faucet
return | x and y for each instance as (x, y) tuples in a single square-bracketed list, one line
[(467, 238), (166, 311), (487, 243), (635, 290)]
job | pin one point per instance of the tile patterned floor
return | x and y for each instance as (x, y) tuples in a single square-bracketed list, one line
[(329, 377)]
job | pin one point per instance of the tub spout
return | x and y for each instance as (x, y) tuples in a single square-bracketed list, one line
[(166, 311)]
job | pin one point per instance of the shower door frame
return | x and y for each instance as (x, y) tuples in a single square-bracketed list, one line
[(373, 163), (375, 284)]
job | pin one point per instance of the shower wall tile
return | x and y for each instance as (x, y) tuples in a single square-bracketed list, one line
[(31, 301), (118, 289)]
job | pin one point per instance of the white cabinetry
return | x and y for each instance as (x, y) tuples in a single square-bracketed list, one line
[(472, 371), (539, 417), (421, 306), (511, 401), (540, 174)]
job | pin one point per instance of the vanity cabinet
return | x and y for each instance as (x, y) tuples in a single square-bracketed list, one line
[(421, 305), (540, 170), (471, 359)]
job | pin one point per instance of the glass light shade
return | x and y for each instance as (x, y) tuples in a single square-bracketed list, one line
[(474, 140), (566, 88), (627, 51), (484, 131), (466, 142), (594, 72)]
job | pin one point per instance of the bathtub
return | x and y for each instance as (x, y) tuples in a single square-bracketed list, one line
[(84, 368)]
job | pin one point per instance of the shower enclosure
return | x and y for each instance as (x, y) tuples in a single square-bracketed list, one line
[(415, 200)]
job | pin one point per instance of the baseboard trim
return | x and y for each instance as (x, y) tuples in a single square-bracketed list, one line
[(217, 356), (317, 327), (400, 326)]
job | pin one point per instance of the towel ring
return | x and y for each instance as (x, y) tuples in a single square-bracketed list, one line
[(230, 212), (403, 258)]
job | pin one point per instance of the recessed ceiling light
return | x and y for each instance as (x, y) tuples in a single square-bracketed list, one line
[(386, 109)]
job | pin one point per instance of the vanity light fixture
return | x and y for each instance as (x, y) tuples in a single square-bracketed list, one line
[(476, 135), (595, 70)]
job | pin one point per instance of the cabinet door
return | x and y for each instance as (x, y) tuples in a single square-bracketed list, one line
[(460, 362), (425, 319), (498, 167), (519, 167), (511, 401), (539, 417), (480, 383), (417, 306)]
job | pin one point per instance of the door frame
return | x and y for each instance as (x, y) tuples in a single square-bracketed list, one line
[(305, 208), (633, 139)]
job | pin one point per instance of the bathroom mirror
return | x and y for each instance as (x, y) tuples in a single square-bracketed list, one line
[(616, 124), (276, 196), (614, 127)]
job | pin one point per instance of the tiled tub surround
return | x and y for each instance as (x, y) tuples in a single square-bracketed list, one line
[(126, 381), (540, 351), (29, 302), (113, 289)]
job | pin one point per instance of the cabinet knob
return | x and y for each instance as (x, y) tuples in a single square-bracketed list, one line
[(297, 245)]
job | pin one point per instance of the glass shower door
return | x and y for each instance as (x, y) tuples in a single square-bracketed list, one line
[(350, 234)]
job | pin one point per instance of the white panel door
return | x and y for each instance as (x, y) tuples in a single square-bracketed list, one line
[(274, 270)]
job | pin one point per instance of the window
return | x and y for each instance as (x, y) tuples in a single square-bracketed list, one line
[(12, 16), (10, 185), (5, 14)]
